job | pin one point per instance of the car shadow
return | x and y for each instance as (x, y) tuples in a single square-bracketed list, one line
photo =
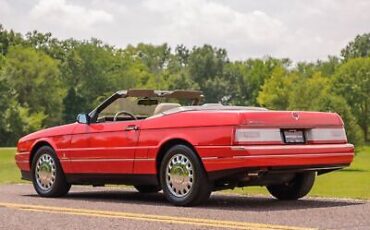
[(216, 201)]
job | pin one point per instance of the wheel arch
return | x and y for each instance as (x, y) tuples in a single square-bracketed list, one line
[(36, 146), (166, 145)]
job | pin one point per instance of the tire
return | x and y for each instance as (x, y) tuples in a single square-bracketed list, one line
[(297, 188), (148, 188), (181, 169), (47, 174)]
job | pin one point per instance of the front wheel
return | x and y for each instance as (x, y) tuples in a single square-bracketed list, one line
[(183, 178), (47, 174), (297, 188)]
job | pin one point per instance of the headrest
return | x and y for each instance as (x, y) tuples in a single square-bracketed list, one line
[(164, 107)]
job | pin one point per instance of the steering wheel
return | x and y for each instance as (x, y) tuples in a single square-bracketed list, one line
[(124, 112)]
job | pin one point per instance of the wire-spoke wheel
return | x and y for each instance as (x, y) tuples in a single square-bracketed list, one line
[(183, 178), (47, 174)]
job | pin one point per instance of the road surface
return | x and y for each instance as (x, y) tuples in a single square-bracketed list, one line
[(124, 208)]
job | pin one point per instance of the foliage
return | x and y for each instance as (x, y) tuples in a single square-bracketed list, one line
[(276, 92), (46, 81), (352, 81), (34, 80), (359, 47), (8, 39), (285, 90)]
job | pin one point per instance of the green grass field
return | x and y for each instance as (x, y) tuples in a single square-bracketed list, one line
[(9, 172), (352, 182)]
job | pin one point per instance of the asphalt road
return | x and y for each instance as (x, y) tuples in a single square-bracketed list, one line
[(124, 208)]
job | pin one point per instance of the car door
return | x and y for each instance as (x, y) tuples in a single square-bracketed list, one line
[(104, 148)]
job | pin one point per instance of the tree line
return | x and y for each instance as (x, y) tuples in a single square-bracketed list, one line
[(45, 81)]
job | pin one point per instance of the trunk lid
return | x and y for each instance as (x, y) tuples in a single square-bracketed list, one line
[(290, 119), (289, 127)]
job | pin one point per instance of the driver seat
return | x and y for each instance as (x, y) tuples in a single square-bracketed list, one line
[(164, 107)]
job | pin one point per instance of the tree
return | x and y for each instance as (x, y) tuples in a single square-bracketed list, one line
[(246, 78), (4, 103), (182, 54), (21, 121), (34, 78), (71, 105), (86, 69), (8, 39), (275, 93), (205, 65), (15, 120), (308, 92), (291, 91), (359, 47), (352, 81), (335, 103)]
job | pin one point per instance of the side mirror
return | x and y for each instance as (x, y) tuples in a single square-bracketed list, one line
[(83, 118)]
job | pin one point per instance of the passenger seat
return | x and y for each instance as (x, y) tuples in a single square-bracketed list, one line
[(162, 107)]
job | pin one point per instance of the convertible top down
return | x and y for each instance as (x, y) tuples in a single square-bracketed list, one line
[(165, 140)]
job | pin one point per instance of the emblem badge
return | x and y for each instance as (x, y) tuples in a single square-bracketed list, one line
[(295, 116)]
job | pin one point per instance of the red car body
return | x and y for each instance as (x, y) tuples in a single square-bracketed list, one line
[(121, 152)]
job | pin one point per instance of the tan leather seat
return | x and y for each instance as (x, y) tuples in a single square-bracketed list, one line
[(164, 107)]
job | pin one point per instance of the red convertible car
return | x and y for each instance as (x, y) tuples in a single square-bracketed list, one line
[(146, 138)]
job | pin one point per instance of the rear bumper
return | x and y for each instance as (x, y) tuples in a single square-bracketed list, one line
[(217, 158)]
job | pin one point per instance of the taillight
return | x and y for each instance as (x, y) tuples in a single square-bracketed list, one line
[(326, 135), (257, 136)]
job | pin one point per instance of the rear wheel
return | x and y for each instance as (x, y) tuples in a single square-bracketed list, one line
[(183, 178), (47, 174), (148, 188), (297, 188)]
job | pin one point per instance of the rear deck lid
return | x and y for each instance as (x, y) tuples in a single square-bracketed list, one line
[(289, 127), (290, 119)]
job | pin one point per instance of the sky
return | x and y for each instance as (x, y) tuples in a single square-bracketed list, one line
[(299, 30)]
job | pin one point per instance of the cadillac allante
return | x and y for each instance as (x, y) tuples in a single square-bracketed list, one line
[(167, 140)]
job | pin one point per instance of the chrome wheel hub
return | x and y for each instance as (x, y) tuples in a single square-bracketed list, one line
[(45, 172), (179, 175)]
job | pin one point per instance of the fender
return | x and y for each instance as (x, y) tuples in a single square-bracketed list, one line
[(57, 143)]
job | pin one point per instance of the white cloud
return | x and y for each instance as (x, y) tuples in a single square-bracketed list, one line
[(4, 8), (67, 15), (246, 28), (198, 22)]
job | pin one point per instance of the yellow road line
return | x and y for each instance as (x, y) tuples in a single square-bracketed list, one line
[(150, 217)]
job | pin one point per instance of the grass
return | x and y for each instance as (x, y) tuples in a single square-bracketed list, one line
[(352, 182), (9, 172)]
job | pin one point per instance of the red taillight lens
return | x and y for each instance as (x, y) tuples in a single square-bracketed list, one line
[(257, 136), (326, 135)]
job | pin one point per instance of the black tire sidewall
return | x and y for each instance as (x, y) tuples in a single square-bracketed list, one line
[(201, 188), (148, 188), (303, 183), (60, 187)]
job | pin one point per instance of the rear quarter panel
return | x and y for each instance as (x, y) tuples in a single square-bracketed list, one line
[(199, 128)]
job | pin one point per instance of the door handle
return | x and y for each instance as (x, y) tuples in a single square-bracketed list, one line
[(131, 127)]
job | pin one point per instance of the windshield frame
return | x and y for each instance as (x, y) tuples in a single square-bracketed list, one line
[(194, 96)]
